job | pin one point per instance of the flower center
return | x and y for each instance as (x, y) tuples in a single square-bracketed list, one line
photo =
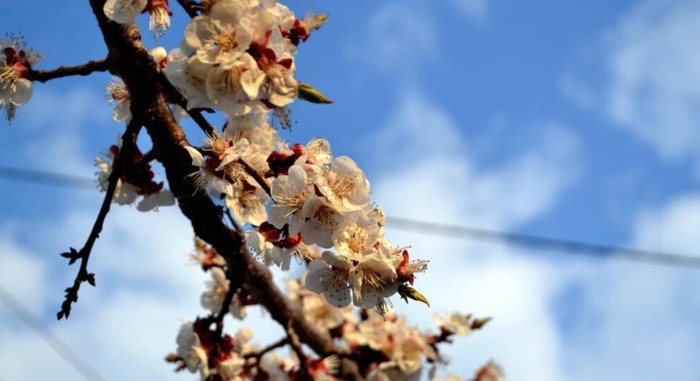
[(218, 145), (294, 203), (248, 198), (117, 92), (226, 41), (372, 279), (357, 239), (341, 276), (342, 186), (232, 80), (9, 76), (324, 215)]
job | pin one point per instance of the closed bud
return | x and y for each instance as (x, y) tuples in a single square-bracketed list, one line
[(408, 292), (317, 20), (310, 94), (480, 323)]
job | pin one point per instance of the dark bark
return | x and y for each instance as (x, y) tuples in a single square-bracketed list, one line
[(130, 60)]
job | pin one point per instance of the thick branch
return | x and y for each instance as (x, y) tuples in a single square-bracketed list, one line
[(128, 142), (133, 64), (66, 71)]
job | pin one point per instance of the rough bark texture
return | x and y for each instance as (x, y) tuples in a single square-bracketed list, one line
[(129, 59)]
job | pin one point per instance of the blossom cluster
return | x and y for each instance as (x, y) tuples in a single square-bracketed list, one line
[(136, 179), (317, 202), (238, 56), (125, 11), (15, 63), (203, 350), (386, 347), (299, 200)]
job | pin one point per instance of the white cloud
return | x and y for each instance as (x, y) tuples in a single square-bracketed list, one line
[(430, 176), (60, 122), (19, 272), (654, 64), (623, 320), (399, 36), (436, 160), (641, 322), (124, 326)]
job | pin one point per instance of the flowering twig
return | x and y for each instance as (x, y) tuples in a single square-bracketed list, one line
[(299, 351), (176, 97), (189, 6), (234, 223), (256, 176), (278, 344), (135, 66), (226, 305), (128, 139), (66, 71)]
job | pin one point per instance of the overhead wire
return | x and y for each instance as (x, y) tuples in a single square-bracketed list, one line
[(433, 228), (53, 341)]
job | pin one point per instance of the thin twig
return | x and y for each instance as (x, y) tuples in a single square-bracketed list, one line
[(136, 67), (66, 71), (189, 6), (129, 140), (176, 97), (278, 344), (234, 223), (148, 156), (226, 305), (256, 176), (296, 347)]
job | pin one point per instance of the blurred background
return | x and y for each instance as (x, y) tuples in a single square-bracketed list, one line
[(571, 120)]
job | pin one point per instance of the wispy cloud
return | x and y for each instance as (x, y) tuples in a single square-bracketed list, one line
[(146, 287), (476, 10), (653, 64), (399, 37), (435, 159), (430, 175), (639, 322)]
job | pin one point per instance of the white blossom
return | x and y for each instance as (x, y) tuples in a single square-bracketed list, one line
[(288, 193), (189, 348), (124, 11), (456, 323), (247, 202), (116, 92), (330, 278), (344, 185)]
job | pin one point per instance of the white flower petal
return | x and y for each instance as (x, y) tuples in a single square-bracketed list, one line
[(21, 92)]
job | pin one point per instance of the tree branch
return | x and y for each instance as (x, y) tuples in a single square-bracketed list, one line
[(278, 344), (190, 6), (66, 71), (260, 179), (226, 304), (131, 61), (129, 140), (176, 97)]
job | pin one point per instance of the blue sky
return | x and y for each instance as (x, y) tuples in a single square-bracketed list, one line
[(578, 120)]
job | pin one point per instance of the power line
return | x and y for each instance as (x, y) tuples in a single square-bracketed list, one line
[(58, 346), (590, 249), (432, 228), (41, 177)]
